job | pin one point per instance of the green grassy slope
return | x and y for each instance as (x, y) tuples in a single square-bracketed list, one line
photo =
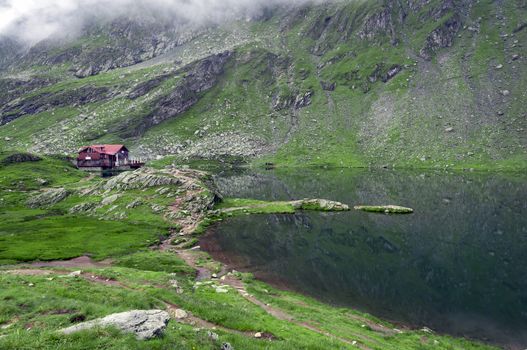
[(462, 108), (37, 306), (53, 231)]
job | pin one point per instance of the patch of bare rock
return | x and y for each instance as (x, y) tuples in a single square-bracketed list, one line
[(144, 324)]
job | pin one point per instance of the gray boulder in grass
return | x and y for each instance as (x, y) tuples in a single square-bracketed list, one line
[(145, 324)]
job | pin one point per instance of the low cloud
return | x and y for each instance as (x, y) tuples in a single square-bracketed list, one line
[(34, 20)]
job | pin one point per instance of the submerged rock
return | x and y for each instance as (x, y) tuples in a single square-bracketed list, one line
[(387, 209), (145, 324)]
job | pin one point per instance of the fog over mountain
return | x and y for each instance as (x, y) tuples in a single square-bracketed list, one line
[(35, 20)]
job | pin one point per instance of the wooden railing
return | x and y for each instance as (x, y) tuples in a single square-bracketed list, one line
[(105, 163), (108, 163)]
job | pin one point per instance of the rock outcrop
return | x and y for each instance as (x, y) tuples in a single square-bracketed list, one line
[(13, 88), (145, 324), (328, 86), (379, 23), (20, 158), (140, 179), (187, 195), (383, 73), (147, 86), (441, 37), (47, 101), (198, 78), (48, 197), (296, 100)]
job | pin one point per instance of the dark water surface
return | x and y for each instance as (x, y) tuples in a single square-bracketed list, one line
[(457, 265)]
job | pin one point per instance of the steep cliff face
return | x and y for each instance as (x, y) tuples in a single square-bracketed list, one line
[(49, 100), (441, 37), (421, 83), (197, 79)]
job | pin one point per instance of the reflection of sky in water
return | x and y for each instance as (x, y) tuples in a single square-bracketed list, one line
[(459, 264)]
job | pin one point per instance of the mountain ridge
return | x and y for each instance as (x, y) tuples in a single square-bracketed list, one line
[(417, 83)]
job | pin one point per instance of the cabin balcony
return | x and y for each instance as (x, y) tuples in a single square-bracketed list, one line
[(110, 163)]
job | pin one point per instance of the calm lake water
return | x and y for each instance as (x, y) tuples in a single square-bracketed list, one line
[(457, 265)]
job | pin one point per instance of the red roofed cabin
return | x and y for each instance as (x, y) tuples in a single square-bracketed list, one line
[(102, 157)]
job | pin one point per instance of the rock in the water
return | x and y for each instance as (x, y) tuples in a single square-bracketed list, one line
[(387, 209), (319, 204), (145, 324)]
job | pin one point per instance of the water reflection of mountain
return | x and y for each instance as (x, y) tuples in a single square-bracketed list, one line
[(458, 264)]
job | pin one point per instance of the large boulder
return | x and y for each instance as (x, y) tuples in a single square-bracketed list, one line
[(145, 324)]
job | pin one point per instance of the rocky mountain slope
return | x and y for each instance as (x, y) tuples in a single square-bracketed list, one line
[(420, 83)]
